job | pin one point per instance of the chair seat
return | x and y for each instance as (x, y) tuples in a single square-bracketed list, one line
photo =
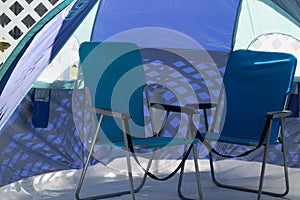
[(234, 140), (152, 142)]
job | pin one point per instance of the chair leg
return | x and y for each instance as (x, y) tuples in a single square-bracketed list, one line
[(218, 183), (197, 177), (144, 177), (287, 186), (79, 186), (263, 169), (180, 183), (84, 170), (83, 173), (130, 175), (197, 173), (137, 189)]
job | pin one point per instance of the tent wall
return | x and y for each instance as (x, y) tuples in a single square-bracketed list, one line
[(27, 150), (25, 68), (264, 17)]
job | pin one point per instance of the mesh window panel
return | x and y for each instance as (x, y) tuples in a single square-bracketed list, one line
[(16, 19)]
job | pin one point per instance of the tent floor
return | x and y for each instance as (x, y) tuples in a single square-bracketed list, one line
[(100, 178)]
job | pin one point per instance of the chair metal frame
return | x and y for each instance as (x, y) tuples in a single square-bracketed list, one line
[(124, 119), (260, 190), (128, 145), (269, 117), (126, 130)]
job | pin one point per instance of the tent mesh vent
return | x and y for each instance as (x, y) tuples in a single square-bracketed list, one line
[(29, 1), (15, 33), (16, 8), (41, 9), (4, 19), (28, 21)]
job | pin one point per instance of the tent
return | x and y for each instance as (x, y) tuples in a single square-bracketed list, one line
[(40, 132)]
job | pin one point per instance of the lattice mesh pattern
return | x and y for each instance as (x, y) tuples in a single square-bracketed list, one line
[(278, 42), (16, 19)]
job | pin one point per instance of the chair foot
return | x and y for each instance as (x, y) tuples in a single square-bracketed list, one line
[(219, 184), (180, 194), (104, 196)]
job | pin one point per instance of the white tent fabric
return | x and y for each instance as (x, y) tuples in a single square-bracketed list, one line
[(257, 18), (60, 68)]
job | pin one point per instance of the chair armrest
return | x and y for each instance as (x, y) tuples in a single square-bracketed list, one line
[(278, 114), (107, 112), (174, 108), (201, 105)]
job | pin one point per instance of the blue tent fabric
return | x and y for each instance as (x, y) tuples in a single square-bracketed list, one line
[(30, 62), (27, 150), (41, 108), (216, 22)]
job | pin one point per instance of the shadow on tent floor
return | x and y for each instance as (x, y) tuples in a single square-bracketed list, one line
[(61, 184)]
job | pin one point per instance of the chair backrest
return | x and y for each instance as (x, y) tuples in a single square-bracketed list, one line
[(255, 83), (113, 72)]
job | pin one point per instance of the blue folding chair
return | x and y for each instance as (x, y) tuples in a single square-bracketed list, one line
[(116, 88), (257, 86)]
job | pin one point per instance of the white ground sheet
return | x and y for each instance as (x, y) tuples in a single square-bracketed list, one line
[(100, 178)]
